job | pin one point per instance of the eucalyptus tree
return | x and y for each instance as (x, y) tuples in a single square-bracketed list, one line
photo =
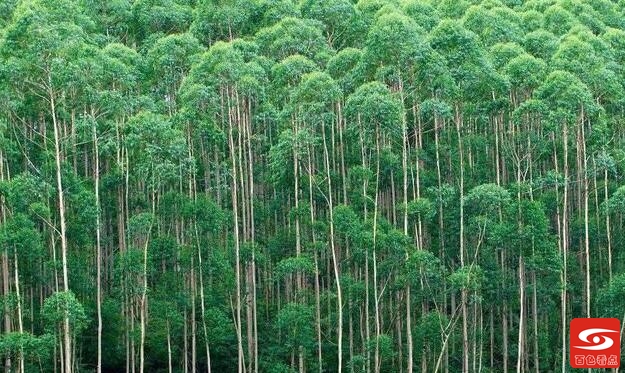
[(504, 25), (293, 36), (522, 147), (343, 23), (274, 10), (473, 77), (295, 322), (156, 151), (20, 240), (42, 44), (296, 138), (23, 206), (60, 307), (113, 76), (376, 114), (112, 82), (423, 13), (592, 67), (536, 247), (113, 18), (317, 96), (229, 74), (569, 101), (370, 8), (153, 17), (222, 20), (170, 59), (426, 275), (396, 43), (558, 20), (485, 204)]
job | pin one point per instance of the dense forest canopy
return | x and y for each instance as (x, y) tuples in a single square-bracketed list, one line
[(308, 185)]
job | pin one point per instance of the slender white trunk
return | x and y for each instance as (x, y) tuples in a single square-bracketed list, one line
[(565, 244), (607, 223), (143, 312), (463, 294), (376, 300), (5, 270), (67, 347), (235, 211), (519, 362), (20, 323), (339, 296), (169, 365), (586, 228), (98, 247)]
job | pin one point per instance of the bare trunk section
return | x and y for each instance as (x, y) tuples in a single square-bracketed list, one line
[(143, 315), (607, 223), (20, 323), (564, 243), (5, 269), (235, 210), (98, 246), (586, 228), (67, 347), (519, 363), (335, 263), (376, 299), (465, 337)]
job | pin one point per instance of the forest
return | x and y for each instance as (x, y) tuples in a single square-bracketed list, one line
[(300, 186)]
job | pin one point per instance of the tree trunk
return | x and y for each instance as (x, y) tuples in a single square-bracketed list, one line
[(317, 286), (98, 247), (519, 362), (144, 288), (404, 164), (169, 365), (564, 242), (193, 191), (193, 317), (339, 296), (252, 237), (607, 223), (5, 269), (465, 337), (67, 347), (376, 298), (367, 350), (235, 211), (20, 324), (586, 229)]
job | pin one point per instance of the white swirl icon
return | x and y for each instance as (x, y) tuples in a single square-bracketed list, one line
[(607, 341)]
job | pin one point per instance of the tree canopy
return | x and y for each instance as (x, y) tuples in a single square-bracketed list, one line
[(308, 186)]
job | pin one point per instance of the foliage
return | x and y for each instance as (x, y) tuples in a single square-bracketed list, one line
[(226, 183)]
